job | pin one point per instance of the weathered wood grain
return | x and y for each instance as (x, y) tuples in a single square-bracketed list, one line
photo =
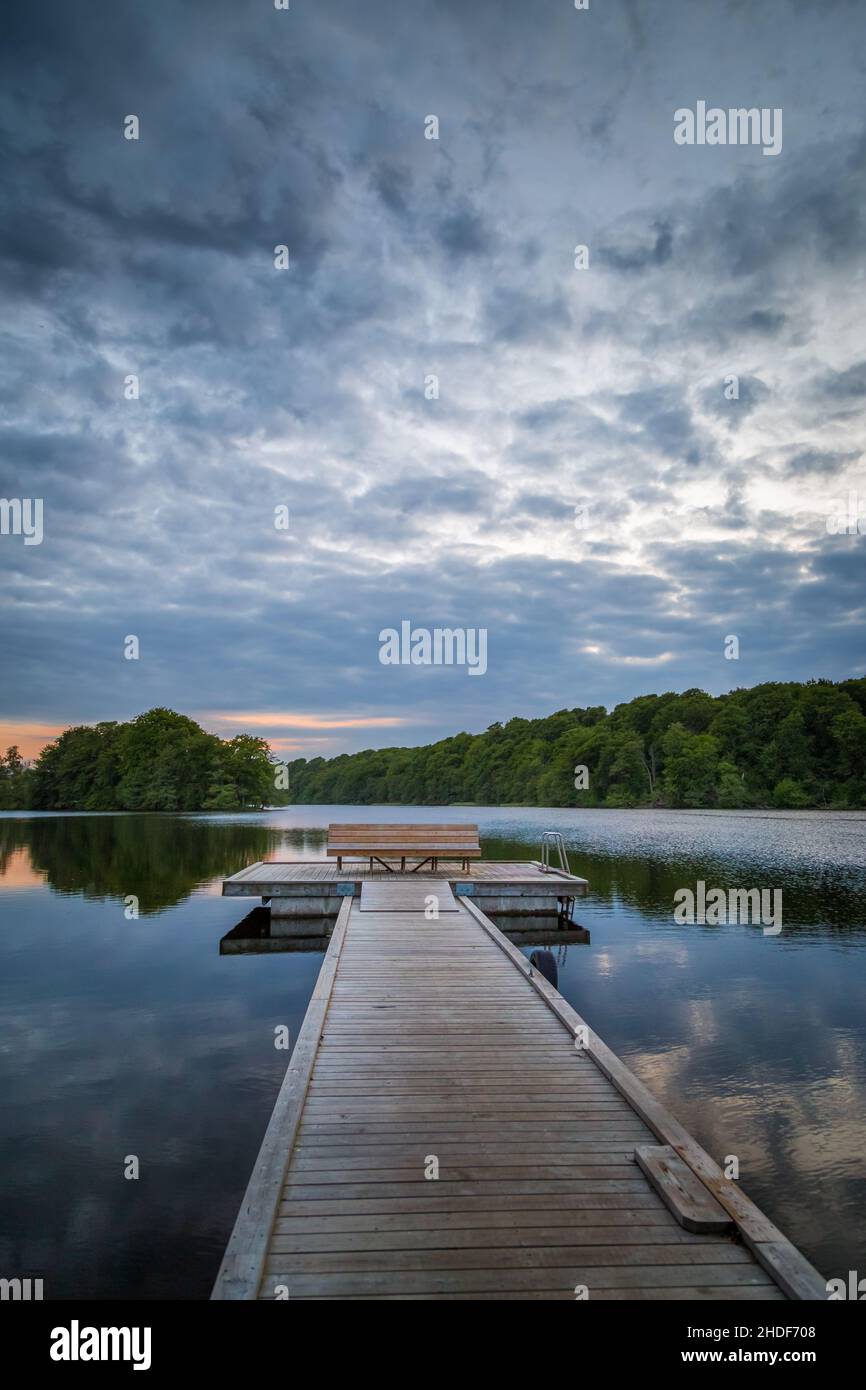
[(444, 1139)]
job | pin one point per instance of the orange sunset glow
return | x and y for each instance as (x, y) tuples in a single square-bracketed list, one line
[(306, 721), (19, 873), (306, 734), (30, 738)]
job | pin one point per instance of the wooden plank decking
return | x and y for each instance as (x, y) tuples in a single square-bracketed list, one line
[(274, 872), (433, 1041), (407, 895)]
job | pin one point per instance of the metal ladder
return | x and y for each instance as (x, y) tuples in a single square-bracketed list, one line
[(552, 839)]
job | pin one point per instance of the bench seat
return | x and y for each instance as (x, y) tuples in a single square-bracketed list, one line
[(426, 843)]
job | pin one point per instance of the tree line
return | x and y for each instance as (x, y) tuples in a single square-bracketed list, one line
[(782, 744), (160, 761), (785, 744)]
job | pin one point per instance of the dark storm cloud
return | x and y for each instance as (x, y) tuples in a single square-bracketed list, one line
[(394, 186), (516, 316), (466, 490), (666, 423), (847, 385), (653, 248), (411, 257), (463, 233), (813, 213), (826, 462), (541, 507), (729, 265), (733, 409)]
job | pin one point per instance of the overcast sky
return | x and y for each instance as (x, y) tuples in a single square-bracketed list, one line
[(601, 388)]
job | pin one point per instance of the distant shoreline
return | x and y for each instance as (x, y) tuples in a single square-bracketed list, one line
[(741, 813), (788, 746)]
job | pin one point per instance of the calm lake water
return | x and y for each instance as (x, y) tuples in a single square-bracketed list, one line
[(136, 1037)]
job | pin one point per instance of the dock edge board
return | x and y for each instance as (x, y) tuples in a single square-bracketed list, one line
[(793, 1273), (240, 1273)]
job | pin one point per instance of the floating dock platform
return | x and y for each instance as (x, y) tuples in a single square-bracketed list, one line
[(450, 1128), (258, 934), (316, 888)]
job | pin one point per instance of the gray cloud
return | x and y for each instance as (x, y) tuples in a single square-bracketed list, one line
[(652, 246), (410, 258), (827, 462)]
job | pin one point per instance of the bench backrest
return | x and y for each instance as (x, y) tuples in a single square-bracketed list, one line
[(403, 839)]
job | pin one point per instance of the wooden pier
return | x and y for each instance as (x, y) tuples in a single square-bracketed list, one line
[(430, 1045)]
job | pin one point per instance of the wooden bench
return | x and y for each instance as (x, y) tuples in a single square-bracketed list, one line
[(426, 843)]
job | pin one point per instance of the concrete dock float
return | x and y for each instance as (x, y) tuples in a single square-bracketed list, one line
[(298, 889), (449, 1128)]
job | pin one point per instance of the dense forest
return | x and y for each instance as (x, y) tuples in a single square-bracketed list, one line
[(160, 761), (785, 745)]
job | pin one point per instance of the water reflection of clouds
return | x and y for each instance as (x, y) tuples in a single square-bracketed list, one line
[(661, 951), (120, 1036), (85, 1086), (703, 1023), (747, 1045), (603, 963)]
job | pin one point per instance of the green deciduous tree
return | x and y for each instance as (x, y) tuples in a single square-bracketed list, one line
[(777, 744), (160, 761)]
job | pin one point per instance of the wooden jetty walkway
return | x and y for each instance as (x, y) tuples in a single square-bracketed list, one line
[(432, 1042)]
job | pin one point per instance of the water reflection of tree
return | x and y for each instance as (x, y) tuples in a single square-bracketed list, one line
[(160, 859), (11, 838), (827, 900)]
